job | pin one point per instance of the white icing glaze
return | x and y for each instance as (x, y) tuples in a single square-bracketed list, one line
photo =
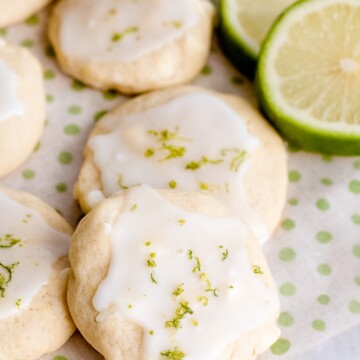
[(39, 247), (240, 303), (205, 127), (9, 103), (122, 30)]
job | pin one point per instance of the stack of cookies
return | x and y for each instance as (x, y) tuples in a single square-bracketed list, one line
[(180, 187)]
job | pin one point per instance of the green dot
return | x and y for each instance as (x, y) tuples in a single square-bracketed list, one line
[(357, 280), (287, 254), (280, 347), (327, 158), (293, 202), (28, 43), (72, 129), (318, 325), (323, 237), (65, 158), (49, 98), (324, 269), (354, 186), (356, 250), (356, 164), (61, 187), (288, 224), (49, 74), (74, 109), (323, 299), (3, 32), (99, 115), (78, 85), (294, 176), (32, 20), (323, 205), (354, 307), (109, 94), (60, 357), (326, 181), (285, 319), (206, 70), (356, 219), (28, 174), (287, 289)]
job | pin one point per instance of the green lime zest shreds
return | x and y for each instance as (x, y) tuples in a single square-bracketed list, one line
[(119, 36), (237, 159), (179, 290), (225, 254), (175, 354), (8, 241), (167, 135), (120, 182), (195, 165), (152, 277), (257, 269), (6, 273), (180, 313)]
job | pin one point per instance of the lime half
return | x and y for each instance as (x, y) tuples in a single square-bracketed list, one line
[(308, 75), (243, 26)]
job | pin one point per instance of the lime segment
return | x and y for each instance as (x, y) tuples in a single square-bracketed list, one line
[(244, 25), (309, 75)]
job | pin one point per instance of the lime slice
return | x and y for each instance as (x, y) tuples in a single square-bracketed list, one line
[(243, 26), (308, 75)]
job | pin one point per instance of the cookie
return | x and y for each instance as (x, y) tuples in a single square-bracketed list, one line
[(22, 106), (167, 274), (34, 242), (17, 10), (132, 46), (189, 139)]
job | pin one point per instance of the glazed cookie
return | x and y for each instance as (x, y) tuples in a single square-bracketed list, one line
[(189, 139), (22, 106), (13, 11), (132, 46), (190, 282), (34, 242)]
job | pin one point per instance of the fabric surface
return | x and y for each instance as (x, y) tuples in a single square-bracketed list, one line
[(315, 253)]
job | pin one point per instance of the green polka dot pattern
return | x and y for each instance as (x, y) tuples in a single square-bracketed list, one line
[(318, 325), (322, 205), (287, 254), (323, 237), (287, 289), (315, 262), (354, 186), (281, 347), (285, 319), (323, 299)]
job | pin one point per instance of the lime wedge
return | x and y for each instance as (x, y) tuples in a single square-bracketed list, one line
[(243, 26), (308, 75)]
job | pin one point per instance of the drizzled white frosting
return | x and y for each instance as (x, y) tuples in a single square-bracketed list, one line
[(182, 260), (122, 30), (9, 102), (213, 145), (36, 246)]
